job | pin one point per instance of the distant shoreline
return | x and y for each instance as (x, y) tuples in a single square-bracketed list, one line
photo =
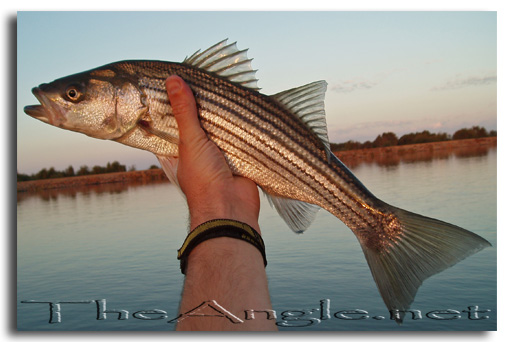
[(140, 177), (415, 152), (352, 158)]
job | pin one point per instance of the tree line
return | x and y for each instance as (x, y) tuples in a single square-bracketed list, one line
[(70, 171), (391, 139)]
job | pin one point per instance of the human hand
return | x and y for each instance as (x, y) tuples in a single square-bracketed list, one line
[(212, 191)]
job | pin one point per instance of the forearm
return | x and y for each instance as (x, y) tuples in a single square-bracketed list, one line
[(231, 273), (222, 270)]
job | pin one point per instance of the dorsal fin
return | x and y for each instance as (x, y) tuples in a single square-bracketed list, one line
[(307, 102), (226, 61)]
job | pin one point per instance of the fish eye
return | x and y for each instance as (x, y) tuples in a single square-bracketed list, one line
[(73, 94)]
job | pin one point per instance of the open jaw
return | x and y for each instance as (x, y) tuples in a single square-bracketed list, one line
[(48, 111), (37, 112)]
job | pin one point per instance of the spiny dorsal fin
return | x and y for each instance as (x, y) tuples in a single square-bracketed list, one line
[(307, 102), (226, 61)]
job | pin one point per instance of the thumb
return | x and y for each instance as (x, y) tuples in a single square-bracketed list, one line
[(184, 108)]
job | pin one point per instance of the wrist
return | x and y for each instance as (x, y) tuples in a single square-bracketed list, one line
[(205, 211), (224, 255), (211, 232), (197, 220)]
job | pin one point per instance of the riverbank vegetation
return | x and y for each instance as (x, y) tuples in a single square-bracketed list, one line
[(84, 170), (391, 139)]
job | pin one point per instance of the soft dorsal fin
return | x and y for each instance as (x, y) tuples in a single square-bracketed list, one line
[(226, 61), (307, 102)]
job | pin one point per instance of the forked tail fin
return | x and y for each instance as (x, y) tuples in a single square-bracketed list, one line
[(427, 246)]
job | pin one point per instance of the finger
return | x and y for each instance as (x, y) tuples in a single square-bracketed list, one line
[(184, 108)]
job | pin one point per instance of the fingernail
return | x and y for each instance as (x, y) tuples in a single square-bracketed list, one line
[(173, 86)]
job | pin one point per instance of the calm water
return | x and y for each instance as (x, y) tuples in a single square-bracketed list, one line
[(115, 249)]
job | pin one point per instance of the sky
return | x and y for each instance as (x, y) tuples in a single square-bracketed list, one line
[(398, 72)]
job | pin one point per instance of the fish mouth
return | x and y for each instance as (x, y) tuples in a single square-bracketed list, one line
[(37, 112), (47, 111)]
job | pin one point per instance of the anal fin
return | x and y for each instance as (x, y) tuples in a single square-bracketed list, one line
[(297, 214)]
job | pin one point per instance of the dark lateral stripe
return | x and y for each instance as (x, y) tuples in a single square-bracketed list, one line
[(252, 103), (234, 115)]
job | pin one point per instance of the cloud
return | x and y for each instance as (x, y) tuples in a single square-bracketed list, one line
[(349, 86), (461, 82), (369, 130), (362, 83), (432, 61)]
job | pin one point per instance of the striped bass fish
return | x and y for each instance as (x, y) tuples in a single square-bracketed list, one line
[(280, 142)]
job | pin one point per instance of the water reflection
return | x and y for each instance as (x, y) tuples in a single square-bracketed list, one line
[(389, 157), (86, 190)]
